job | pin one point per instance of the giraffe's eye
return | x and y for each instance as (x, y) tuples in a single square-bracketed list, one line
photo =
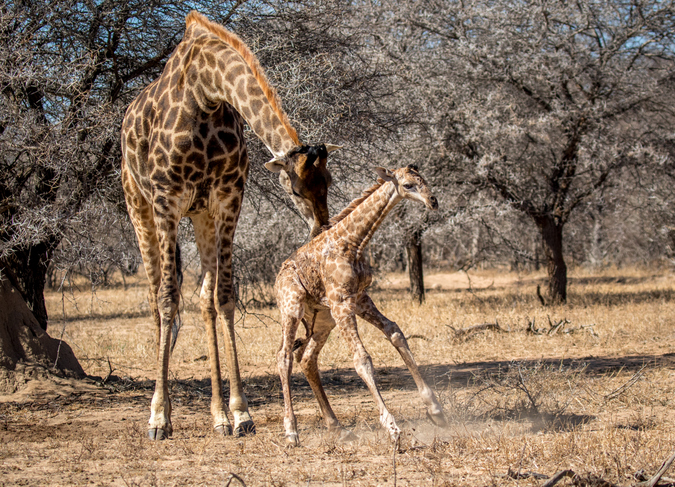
[(408, 186)]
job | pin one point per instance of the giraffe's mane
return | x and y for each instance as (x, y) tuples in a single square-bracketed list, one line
[(354, 204), (234, 41)]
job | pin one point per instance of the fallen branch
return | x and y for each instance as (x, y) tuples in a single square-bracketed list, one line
[(559, 326), (107, 377), (655, 479), (630, 383), (421, 337), (642, 476), (558, 477), (468, 332), (531, 328), (588, 328), (231, 477), (593, 480), (555, 328), (526, 475)]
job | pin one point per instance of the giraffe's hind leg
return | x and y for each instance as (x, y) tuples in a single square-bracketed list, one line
[(142, 218), (367, 310), (343, 314), (205, 236), (323, 325), (290, 299), (140, 213)]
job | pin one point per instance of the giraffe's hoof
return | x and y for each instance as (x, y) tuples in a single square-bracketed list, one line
[(438, 419), (347, 436), (157, 434), (245, 428), (343, 435), (292, 440), (395, 435), (223, 429)]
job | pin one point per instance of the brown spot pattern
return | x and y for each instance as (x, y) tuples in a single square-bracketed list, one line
[(184, 154)]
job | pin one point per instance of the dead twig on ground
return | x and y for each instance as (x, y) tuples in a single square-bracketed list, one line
[(559, 326), (525, 475), (232, 476), (655, 479), (421, 337), (588, 328), (464, 334), (523, 387), (627, 385), (596, 482), (555, 328), (531, 328), (107, 377), (593, 480), (664, 481)]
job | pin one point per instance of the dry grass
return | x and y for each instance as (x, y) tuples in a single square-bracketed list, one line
[(595, 399)]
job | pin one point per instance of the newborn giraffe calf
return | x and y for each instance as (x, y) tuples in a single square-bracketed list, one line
[(326, 281)]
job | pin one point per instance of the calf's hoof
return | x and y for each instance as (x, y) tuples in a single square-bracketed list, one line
[(245, 428), (157, 434), (223, 429), (343, 435), (292, 440), (438, 419)]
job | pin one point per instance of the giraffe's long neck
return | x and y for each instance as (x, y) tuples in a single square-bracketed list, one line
[(227, 71), (361, 224)]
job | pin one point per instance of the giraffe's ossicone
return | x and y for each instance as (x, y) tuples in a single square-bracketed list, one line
[(325, 283), (184, 154)]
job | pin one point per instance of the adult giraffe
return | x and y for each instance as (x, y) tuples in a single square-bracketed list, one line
[(184, 154)]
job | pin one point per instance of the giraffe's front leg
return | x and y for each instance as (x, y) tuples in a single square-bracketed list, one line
[(344, 316), (285, 366), (243, 423), (367, 310), (205, 236), (221, 423), (290, 299)]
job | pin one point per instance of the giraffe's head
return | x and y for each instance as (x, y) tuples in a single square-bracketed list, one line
[(305, 177), (410, 185)]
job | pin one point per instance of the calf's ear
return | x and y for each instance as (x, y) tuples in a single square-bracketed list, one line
[(385, 174)]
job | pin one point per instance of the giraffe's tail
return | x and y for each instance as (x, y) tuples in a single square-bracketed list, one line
[(177, 321)]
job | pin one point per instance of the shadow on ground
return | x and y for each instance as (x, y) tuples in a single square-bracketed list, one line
[(262, 389)]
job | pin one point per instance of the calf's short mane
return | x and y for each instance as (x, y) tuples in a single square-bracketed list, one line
[(352, 206)]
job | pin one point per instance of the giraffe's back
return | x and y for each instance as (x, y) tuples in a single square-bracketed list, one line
[(325, 267), (172, 144)]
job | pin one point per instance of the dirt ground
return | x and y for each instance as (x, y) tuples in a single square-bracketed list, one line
[(590, 387)]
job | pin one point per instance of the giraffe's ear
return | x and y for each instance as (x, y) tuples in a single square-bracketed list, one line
[(276, 164), (385, 174), (330, 148)]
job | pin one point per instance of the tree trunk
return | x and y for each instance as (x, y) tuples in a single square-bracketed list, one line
[(595, 255), (552, 238), (27, 268), (415, 272), (23, 341)]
